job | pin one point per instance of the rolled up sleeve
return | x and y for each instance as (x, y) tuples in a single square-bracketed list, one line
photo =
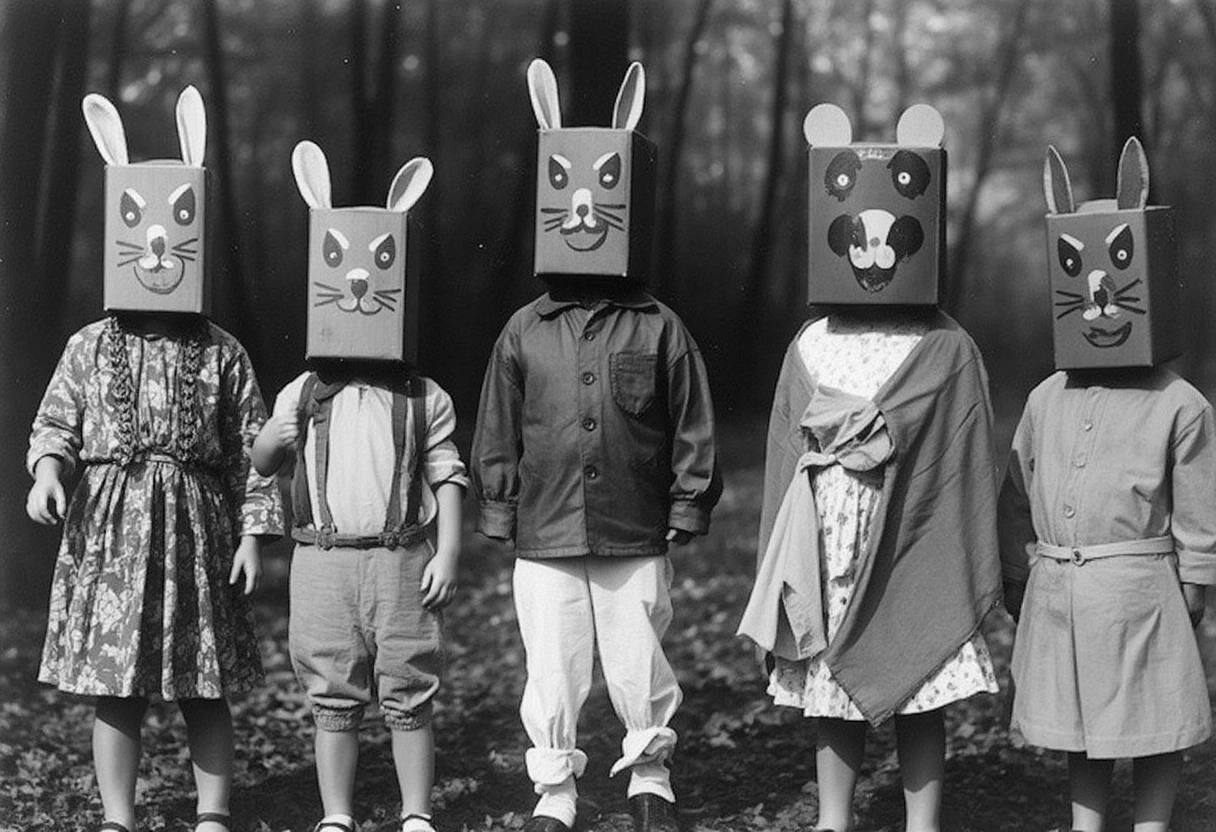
[(442, 460), (1193, 522)]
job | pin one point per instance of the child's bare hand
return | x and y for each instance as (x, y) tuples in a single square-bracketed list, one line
[(678, 537), (438, 582), (248, 559), (1196, 601), (283, 429), (47, 501)]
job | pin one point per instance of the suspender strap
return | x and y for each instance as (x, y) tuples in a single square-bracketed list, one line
[(301, 496), (417, 393), (1080, 554)]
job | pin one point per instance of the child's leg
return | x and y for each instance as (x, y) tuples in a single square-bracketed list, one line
[(839, 746), (414, 757), (632, 607), (921, 743), (1156, 783), (553, 605), (116, 746), (337, 759), (1089, 782), (209, 731)]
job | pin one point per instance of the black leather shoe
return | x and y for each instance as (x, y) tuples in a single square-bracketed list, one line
[(544, 823), (652, 813)]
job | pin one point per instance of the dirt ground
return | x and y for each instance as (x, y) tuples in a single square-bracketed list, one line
[(741, 764)]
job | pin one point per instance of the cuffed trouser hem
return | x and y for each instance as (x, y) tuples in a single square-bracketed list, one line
[(651, 778), (398, 720), (337, 719), (645, 745), (549, 767)]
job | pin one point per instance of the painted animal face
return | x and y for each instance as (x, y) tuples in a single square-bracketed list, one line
[(876, 210), (1111, 263), (595, 188), (357, 264), (155, 214)]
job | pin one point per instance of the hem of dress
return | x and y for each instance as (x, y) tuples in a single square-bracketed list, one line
[(1114, 747), (786, 699), (132, 693)]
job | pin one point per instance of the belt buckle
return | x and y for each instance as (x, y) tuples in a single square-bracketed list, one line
[(390, 540), (325, 538), (1077, 557)]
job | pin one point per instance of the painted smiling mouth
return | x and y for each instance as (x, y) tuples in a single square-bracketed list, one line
[(873, 279), (160, 280), (579, 232), (1105, 338)]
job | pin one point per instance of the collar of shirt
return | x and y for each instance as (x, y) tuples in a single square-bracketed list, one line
[(630, 298)]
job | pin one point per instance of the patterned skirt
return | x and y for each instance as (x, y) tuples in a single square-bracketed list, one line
[(141, 604)]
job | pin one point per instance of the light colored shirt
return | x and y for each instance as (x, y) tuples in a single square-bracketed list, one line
[(361, 453), (1100, 458)]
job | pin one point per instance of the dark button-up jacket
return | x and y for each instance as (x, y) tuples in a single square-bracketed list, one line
[(595, 433)]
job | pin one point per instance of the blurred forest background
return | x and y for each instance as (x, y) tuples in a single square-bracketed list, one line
[(377, 82)]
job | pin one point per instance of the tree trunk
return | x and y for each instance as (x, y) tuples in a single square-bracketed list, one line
[(118, 49), (861, 88), (665, 282), (432, 305), (751, 302), (361, 149), (1126, 85), (599, 55), (29, 30), (231, 301), (989, 128), (61, 166)]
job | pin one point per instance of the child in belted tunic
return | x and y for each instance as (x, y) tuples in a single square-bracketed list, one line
[(376, 490)]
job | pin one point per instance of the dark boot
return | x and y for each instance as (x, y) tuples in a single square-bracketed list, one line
[(544, 823), (652, 813)]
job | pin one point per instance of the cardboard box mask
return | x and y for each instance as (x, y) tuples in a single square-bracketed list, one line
[(360, 303), (155, 214), (1114, 285), (595, 188), (877, 212)]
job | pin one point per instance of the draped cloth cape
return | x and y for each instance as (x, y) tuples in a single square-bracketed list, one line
[(932, 571)]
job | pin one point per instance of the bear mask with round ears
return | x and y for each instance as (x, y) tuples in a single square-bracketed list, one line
[(360, 304), (1112, 267), (155, 214), (877, 212), (595, 188)]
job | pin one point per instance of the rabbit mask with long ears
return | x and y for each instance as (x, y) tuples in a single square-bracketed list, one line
[(595, 185), (877, 212), (1114, 286), (155, 214), (360, 304)]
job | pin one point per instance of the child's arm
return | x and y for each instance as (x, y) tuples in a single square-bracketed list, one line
[(1015, 525), (498, 441), (58, 435), (47, 501), (256, 502), (248, 559), (1193, 519), (696, 481), (276, 438), (439, 577)]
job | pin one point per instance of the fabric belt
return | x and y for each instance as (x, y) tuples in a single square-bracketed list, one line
[(1080, 554), (326, 539)]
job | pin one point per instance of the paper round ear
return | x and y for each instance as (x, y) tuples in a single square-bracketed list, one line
[(542, 89), (826, 125), (1132, 190), (410, 183), (1057, 188), (192, 127), (312, 175), (920, 126), (627, 111), (105, 125)]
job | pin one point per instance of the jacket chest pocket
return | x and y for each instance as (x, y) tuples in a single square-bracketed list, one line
[(633, 376)]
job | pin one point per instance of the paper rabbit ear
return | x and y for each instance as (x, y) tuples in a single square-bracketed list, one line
[(627, 111), (312, 174), (920, 126), (1132, 190), (192, 127), (106, 127), (1056, 186), (410, 183), (826, 125), (542, 88)]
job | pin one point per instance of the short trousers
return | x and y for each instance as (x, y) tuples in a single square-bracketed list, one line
[(359, 633)]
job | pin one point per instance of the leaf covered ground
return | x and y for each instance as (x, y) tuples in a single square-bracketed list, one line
[(741, 764)]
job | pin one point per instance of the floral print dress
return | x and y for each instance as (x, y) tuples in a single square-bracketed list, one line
[(156, 426), (858, 356)]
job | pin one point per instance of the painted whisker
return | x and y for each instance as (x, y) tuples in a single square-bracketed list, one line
[(553, 210), (125, 244), (327, 287), (1135, 309), (325, 302)]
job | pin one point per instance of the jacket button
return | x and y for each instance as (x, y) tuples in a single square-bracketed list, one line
[(591, 472), (588, 378), (589, 336), (1069, 511), (588, 424)]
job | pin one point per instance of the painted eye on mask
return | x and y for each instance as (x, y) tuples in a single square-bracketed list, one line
[(131, 208), (385, 253), (559, 171), (331, 249), (1122, 246), (841, 174), (184, 205), (609, 168), (1068, 250), (909, 174)]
